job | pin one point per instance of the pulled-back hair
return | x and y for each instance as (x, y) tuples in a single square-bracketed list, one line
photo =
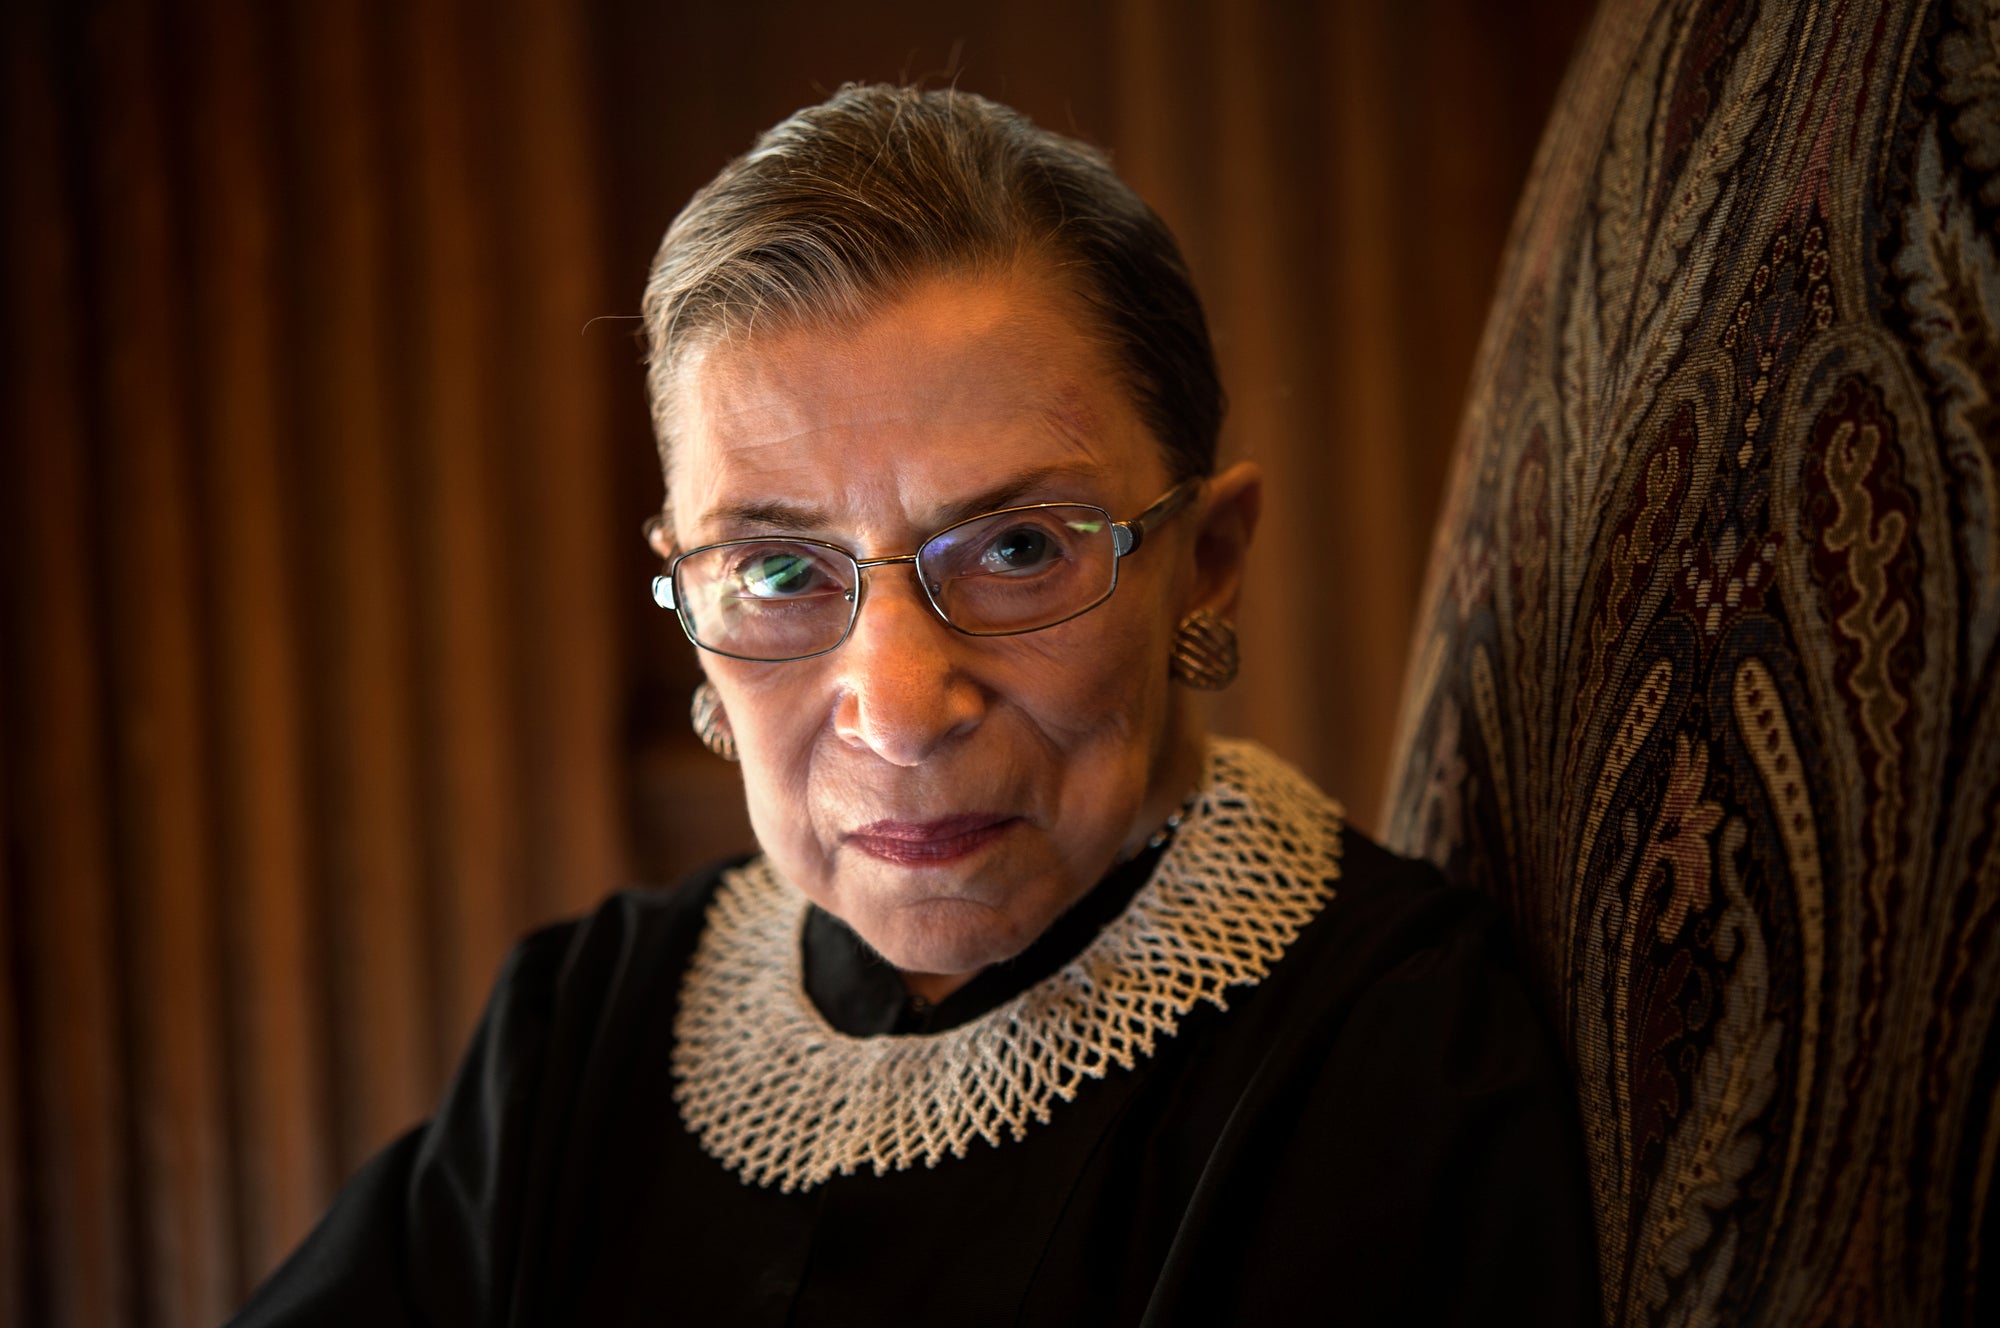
[(849, 203)]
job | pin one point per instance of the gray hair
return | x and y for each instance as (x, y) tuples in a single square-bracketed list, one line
[(846, 204)]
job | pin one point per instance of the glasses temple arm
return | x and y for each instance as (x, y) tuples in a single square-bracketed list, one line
[(1127, 536)]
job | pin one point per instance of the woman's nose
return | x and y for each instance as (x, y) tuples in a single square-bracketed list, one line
[(903, 692)]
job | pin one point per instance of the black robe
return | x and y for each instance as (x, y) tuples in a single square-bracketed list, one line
[(1379, 1132)]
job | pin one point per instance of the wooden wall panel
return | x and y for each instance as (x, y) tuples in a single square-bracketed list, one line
[(13, 1135), (275, 967), (350, 329), (327, 666), (150, 591), (73, 1167), (564, 594), (1377, 241), (468, 548)]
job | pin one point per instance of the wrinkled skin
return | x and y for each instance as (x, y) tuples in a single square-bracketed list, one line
[(1053, 752)]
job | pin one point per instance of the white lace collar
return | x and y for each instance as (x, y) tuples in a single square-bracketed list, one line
[(781, 1098)]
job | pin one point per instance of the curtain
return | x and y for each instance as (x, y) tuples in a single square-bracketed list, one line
[(326, 657)]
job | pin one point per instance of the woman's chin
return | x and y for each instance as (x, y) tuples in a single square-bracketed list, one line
[(947, 937), (949, 919)]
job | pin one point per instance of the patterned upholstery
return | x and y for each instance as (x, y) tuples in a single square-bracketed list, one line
[(1704, 683)]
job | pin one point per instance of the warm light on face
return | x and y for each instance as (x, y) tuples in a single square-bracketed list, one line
[(948, 795)]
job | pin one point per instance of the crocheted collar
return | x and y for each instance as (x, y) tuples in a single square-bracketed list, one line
[(779, 1097), (860, 994)]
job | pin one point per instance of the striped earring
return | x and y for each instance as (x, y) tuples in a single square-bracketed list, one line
[(711, 722), (1205, 651)]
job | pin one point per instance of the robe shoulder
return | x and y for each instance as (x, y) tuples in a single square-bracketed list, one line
[(1412, 1134), (427, 1232)]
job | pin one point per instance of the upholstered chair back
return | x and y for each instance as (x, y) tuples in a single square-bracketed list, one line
[(1706, 682)]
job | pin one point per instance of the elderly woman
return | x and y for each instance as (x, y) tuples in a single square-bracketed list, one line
[(1035, 1004)]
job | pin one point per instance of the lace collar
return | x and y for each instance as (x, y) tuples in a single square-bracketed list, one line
[(781, 1098)]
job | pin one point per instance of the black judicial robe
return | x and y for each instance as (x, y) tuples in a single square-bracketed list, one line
[(1380, 1132)]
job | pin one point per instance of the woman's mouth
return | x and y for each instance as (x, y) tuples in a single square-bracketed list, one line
[(928, 843)]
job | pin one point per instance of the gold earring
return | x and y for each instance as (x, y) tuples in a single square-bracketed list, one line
[(1205, 651), (711, 722)]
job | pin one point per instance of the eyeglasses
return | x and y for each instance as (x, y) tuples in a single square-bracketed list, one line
[(1016, 570)]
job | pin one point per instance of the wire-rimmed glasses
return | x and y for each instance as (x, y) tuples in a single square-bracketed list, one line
[(1002, 573)]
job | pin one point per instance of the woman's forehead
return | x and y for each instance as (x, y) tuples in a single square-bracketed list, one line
[(882, 500), (948, 345), (963, 387)]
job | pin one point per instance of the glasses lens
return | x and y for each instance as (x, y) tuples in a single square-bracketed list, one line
[(766, 599), (1016, 571)]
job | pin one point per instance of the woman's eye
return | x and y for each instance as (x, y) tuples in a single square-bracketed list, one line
[(1019, 549), (779, 575)]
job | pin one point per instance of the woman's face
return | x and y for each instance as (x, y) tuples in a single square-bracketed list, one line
[(949, 796)]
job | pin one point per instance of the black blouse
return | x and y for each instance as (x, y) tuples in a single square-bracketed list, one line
[(1378, 1133)]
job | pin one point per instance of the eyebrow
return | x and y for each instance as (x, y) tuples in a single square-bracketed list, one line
[(770, 515), (806, 519)]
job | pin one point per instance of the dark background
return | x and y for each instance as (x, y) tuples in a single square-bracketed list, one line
[(327, 660)]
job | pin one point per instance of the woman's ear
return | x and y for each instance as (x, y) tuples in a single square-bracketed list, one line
[(1222, 542), (659, 537)]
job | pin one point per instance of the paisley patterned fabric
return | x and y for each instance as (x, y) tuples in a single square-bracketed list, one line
[(1704, 685)]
